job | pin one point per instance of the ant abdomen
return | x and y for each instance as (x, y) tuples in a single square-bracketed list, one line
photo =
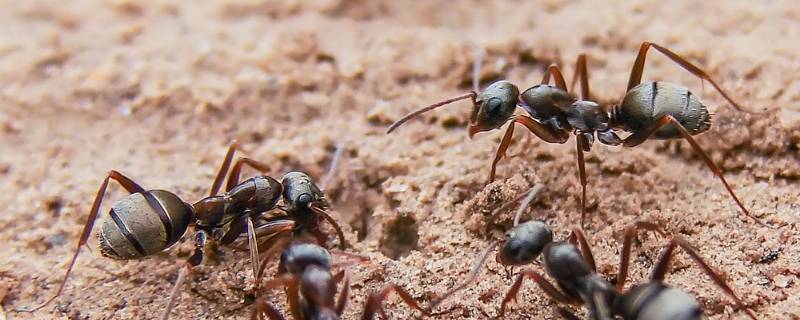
[(657, 301), (143, 223), (649, 101)]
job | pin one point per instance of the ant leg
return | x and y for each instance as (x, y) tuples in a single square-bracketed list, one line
[(129, 185), (329, 219), (329, 176), (341, 302), (223, 169), (471, 95), (566, 314), (630, 234), (354, 259), (640, 136), (292, 283), (586, 250), (476, 267), (274, 229), (375, 300), (281, 243), (233, 177), (546, 286), (265, 308), (193, 261), (582, 74), (638, 69), (527, 202), (253, 245), (545, 133), (581, 144), (558, 77), (661, 268)]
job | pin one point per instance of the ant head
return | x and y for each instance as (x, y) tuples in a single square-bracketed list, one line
[(298, 257), (524, 243), (493, 107)]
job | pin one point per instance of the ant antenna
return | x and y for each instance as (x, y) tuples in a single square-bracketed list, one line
[(337, 156), (410, 116), (528, 199), (527, 202), (476, 79), (476, 267), (476, 68)]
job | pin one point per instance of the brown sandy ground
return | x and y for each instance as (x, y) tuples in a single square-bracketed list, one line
[(157, 89)]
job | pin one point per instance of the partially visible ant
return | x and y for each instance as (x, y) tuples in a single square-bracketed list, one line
[(578, 282), (311, 287), (577, 278), (150, 221), (649, 110)]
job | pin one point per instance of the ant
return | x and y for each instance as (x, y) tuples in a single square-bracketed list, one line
[(649, 110), (147, 222), (305, 271), (577, 278)]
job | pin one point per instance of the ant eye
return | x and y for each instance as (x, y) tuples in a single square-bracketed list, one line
[(514, 251), (304, 200), (493, 105)]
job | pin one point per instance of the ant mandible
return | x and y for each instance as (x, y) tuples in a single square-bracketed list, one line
[(649, 110)]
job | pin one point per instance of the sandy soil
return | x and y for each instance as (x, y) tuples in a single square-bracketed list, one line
[(158, 89)]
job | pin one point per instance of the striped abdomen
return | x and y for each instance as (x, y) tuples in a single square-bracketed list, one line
[(143, 224), (649, 101)]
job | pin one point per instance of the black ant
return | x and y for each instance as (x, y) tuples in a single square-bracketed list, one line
[(575, 274), (649, 110), (305, 271), (150, 221), (579, 283)]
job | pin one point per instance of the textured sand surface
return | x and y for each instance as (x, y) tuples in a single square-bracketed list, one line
[(157, 90)]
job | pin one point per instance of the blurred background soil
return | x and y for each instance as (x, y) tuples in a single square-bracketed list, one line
[(157, 90)]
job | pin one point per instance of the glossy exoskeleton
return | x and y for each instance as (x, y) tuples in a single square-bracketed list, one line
[(649, 110), (311, 287)]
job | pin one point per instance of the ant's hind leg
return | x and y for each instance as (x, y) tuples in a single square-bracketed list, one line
[(129, 185), (638, 137), (663, 263), (638, 69)]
